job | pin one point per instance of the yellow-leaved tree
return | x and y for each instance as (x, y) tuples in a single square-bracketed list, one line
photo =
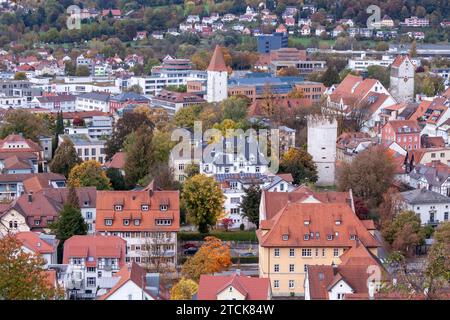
[(213, 256), (184, 290)]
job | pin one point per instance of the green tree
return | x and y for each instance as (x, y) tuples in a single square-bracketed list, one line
[(70, 223), (404, 233), (89, 174), (330, 76), (72, 197), (22, 121), (59, 129), (20, 76), (191, 169), (82, 71), (116, 178), (380, 73), (139, 155), (250, 204), (299, 163), (203, 199), (235, 108), (161, 146), (21, 274), (185, 117), (124, 126), (65, 158)]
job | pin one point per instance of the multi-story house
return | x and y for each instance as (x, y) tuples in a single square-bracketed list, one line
[(91, 260), (172, 101), (36, 209), (236, 154), (147, 219), (87, 147), (234, 187), (126, 99), (93, 101), (349, 144), (40, 244), (19, 88), (431, 207), (434, 176), (20, 155), (99, 127), (405, 132), (415, 22), (305, 234), (55, 103)]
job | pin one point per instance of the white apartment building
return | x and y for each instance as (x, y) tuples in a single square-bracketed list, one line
[(93, 101), (87, 148)]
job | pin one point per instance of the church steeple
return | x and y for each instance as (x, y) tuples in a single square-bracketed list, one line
[(217, 86)]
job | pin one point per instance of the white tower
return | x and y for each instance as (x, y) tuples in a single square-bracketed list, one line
[(402, 79), (217, 85), (322, 136)]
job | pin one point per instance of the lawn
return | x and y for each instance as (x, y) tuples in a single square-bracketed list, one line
[(304, 41)]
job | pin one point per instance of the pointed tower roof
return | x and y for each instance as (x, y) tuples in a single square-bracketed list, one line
[(217, 61)]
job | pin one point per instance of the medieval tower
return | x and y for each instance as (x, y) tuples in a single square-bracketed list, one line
[(322, 136), (217, 86), (402, 79)]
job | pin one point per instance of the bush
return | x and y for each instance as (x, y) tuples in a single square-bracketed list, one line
[(244, 260), (248, 235)]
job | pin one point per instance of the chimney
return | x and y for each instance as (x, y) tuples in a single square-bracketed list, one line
[(30, 197)]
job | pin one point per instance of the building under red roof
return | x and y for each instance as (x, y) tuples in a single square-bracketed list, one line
[(217, 62)]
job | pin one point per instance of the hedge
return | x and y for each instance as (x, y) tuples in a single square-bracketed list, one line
[(244, 260), (222, 235)]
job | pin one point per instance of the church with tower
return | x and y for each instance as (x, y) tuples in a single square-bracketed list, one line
[(402, 79), (217, 83)]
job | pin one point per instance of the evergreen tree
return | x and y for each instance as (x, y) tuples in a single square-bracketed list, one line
[(116, 178), (72, 197), (139, 155), (69, 223), (59, 129), (65, 158), (250, 204)]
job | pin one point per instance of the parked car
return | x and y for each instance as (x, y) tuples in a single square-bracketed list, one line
[(247, 254), (190, 251), (189, 245)]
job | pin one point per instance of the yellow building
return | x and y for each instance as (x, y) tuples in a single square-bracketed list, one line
[(303, 234)]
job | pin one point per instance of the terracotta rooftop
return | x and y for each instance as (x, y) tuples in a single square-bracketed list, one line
[(217, 61), (251, 288)]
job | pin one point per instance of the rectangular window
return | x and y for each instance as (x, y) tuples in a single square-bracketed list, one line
[(144, 207), (291, 284), (90, 269), (108, 222), (323, 252), (336, 252), (276, 283), (276, 252), (291, 252), (163, 207), (276, 268), (445, 216), (291, 268), (90, 281), (126, 222), (306, 252)]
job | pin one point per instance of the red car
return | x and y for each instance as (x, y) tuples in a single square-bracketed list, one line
[(189, 245)]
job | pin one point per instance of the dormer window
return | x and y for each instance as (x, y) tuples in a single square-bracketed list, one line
[(163, 207), (137, 222), (37, 222), (317, 235), (306, 237), (144, 207), (353, 237), (338, 221), (330, 237), (285, 237), (306, 222), (108, 222), (126, 222), (118, 207)]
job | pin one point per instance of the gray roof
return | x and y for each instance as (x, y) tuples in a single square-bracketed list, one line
[(419, 196), (432, 175), (102, 96)]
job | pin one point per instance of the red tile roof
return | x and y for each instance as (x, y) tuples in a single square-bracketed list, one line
[(132, 202), (251, 288), (322, 219), (32, 241), (95, 246), (217, 62), (117, 161)]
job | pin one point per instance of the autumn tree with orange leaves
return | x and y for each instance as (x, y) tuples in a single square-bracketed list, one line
[(213, 256), (21, 274)]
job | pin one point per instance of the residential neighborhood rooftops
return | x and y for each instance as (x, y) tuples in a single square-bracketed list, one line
[(423, 195)]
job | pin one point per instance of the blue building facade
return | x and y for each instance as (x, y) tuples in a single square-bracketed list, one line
[(274, 41)]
